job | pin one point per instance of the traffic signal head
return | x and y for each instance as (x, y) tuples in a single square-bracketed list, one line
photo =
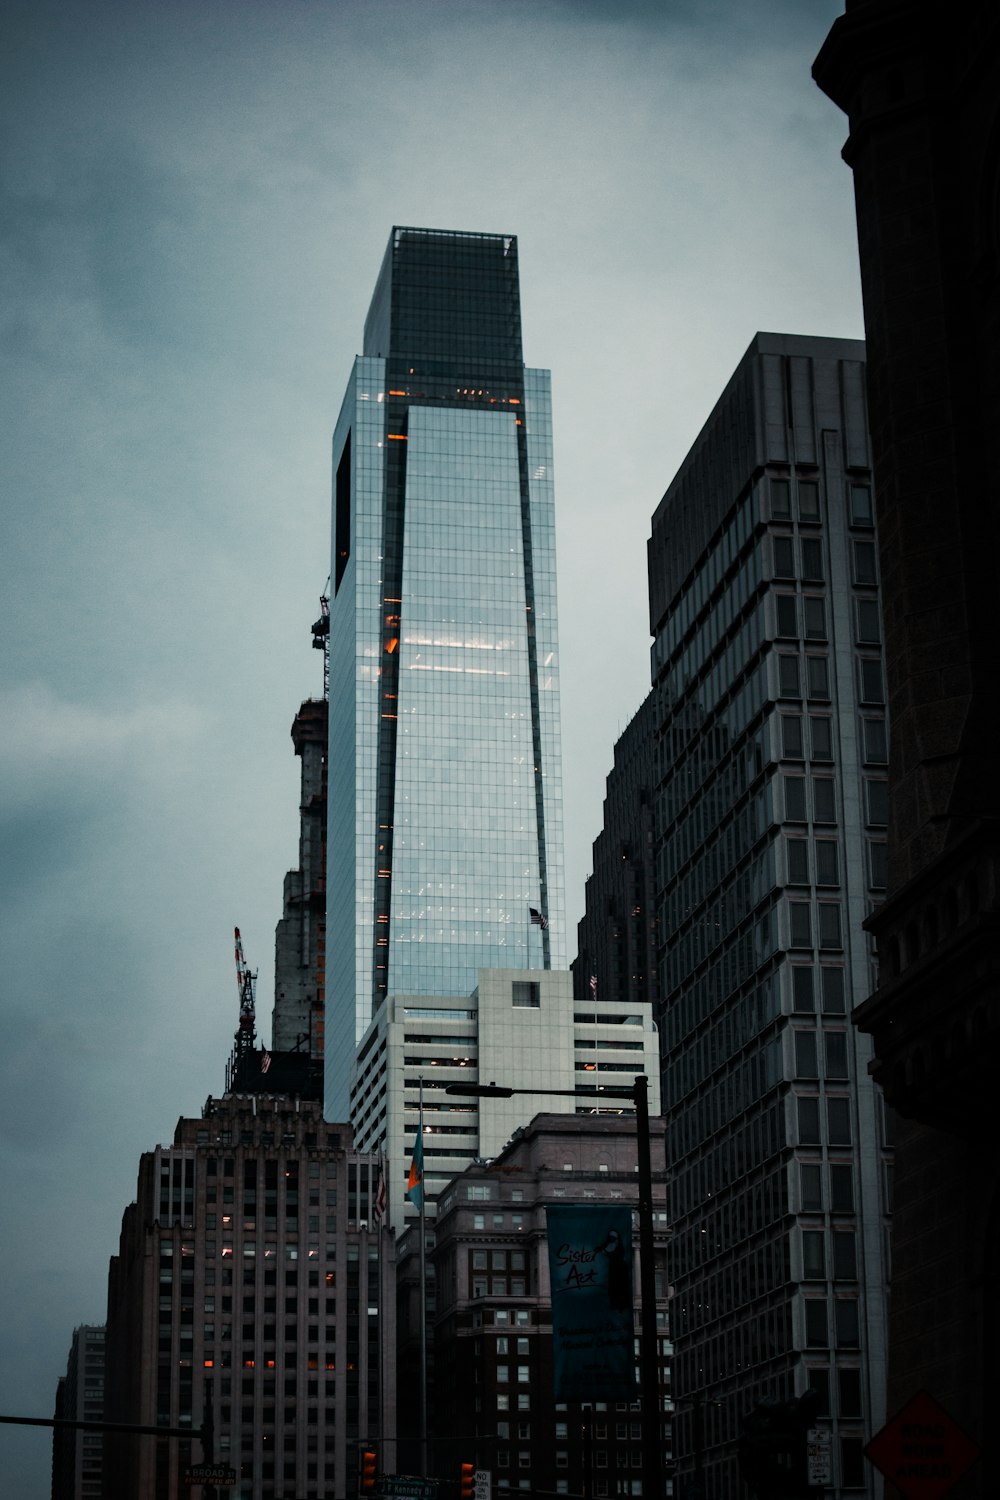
[(369, 1465), (467, 1482)]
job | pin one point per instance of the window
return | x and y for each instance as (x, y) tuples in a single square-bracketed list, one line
[(808, 1119), (838, 1112), (827, 862), (849, 1392), (868, 622), (784, 562), (813, 1255), (824, 800), (816, 1334), (842, 1187), (799, 924), (805, 1054), (814, 611), (832, 989), (791, 736), (808, 500), (788, 675), (818, 676), (878, 865), (845, 1260), (795, 798), (812, 558), (870, 677), (852, 1469), (786, 616), (864, 562), (861, 505), (810, 1187), (797, 856), (877, 802), (836, 1054), (829, 925), (821, 736), (781, 506), (876, 742), (845, 1323), (525, 994), (802, 988)]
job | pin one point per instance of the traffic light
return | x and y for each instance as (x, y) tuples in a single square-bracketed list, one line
[(369, 1466), (467, 1482)]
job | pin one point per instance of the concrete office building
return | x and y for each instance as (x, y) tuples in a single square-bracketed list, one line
[(616, 938), (249, 1261), (770, 847), (920, 84), (300, 936), (520, 1028), (77, 1455), (445, 829), (493, 1399)]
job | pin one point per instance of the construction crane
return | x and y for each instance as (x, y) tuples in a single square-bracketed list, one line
[(321, 638), (246, 1032)]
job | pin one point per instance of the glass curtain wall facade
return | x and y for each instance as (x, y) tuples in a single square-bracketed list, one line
[(445, 803), (770, 847)]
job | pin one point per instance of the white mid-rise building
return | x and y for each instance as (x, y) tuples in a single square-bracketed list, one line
[(518, 1028)]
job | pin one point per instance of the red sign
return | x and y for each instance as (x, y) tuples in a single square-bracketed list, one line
[(922, 1451)]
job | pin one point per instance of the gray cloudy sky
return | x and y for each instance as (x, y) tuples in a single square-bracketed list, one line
[(196, 195)]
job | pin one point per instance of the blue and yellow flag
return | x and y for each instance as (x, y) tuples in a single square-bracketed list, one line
[(415, 1181)]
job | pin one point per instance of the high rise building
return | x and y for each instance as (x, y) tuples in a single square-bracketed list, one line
[(300, 936), (770, 847), (78, 1455), (250, 1262), (921, 86), (616, 938), (444, 759)]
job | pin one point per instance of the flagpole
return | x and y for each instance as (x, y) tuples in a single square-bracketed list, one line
[(423, 1297)]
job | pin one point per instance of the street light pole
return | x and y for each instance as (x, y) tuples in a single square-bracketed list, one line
[(649, 1370)]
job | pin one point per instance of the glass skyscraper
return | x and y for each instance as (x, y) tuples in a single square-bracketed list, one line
[(445, 796)]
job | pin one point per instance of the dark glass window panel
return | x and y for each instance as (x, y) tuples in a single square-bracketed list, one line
[(810, 1181), (845, 1322), (786, 615), (800, 925), (824, 800), (808, 500), (813, 1255), (849, 1392), (862, 513), (876, 742), (803, 998), (784, 558), (805, 1054), (827, 862), (869, 619), (808, 1121), (878, 865), (870, 672), (821, 738), (812, 558), (877, 798), (836, 1054), (788, 676), (845, 1259), (829, 925), (814, 611), (842, 1187), (818, 676), (781, 505), (838, 1113), (816, 1331), (864, 562), (819, 1381), (791, 736), (795, 798), (797, 854)]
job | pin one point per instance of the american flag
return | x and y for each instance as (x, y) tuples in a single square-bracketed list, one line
[(538, 918), (265, 1062), (379, 1200), (593, 986)]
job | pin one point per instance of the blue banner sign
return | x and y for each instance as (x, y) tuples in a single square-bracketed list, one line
[(590, 1271)]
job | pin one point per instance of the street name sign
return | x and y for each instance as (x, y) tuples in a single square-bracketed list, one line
[(921, 1450), (221, 1475), (406, 1487)]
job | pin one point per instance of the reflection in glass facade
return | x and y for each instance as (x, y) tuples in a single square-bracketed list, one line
[(445, 800)]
